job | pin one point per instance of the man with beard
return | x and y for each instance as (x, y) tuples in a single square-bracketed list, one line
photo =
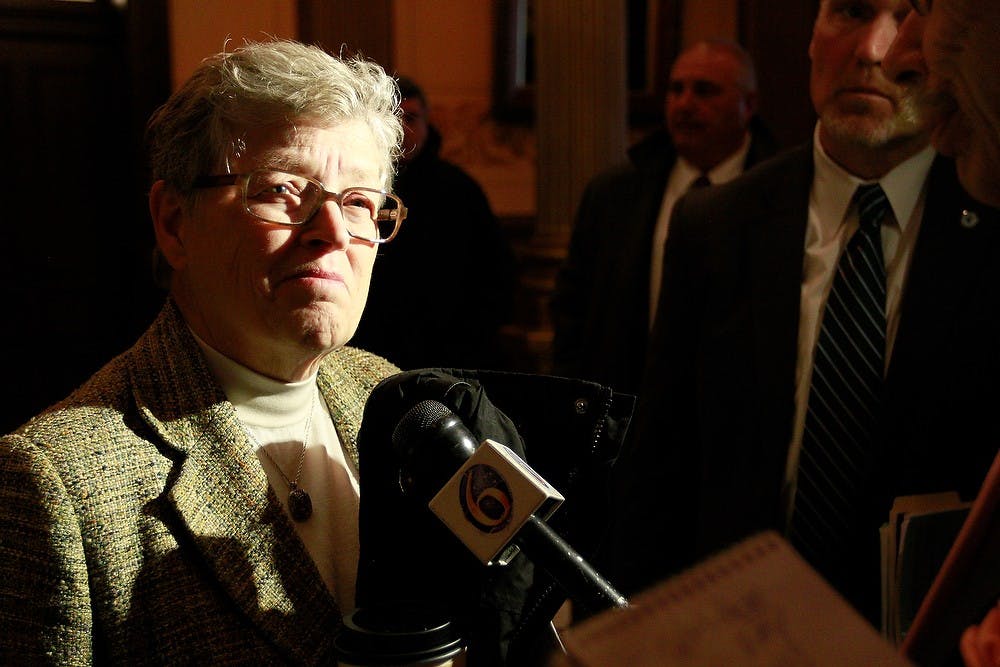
[(607, 287), (821, 347)]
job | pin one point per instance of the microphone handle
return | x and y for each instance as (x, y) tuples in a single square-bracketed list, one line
[(582, 582)]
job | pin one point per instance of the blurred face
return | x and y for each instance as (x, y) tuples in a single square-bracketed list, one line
[(955, 44), (414, 127), (707, 106), (277, 298), (869, 122)]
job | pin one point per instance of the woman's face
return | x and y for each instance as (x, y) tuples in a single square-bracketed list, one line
[(278, 298)]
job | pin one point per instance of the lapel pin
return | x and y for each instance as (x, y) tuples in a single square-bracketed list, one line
[(969, 218)]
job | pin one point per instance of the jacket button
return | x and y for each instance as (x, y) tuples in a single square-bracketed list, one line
[(969, 219), (581, 406)]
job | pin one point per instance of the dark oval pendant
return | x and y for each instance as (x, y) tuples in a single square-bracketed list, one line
[(300, 505)]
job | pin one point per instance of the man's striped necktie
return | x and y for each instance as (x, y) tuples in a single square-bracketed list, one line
[(839, 443)]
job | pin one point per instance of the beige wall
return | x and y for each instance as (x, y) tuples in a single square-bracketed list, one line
[(199, 28), (445, 45)]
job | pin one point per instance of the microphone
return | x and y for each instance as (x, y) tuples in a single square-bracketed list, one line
[(491, 500)]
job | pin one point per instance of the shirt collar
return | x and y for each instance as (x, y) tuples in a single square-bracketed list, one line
[(725, 171), (834, 186)]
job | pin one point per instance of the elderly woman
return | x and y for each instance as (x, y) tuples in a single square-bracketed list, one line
[(196, 500)]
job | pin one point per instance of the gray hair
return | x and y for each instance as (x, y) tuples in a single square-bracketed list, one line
[(261, 83), (747, 73), (201, 125)]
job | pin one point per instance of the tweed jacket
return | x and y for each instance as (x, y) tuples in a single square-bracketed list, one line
[(138, 527)]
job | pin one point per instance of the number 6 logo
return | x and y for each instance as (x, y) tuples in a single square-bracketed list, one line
[(485, 498)]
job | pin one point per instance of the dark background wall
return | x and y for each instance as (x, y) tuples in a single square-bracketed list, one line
[(77, 80), (777, 34)]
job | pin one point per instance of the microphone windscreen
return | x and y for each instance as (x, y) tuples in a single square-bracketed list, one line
[(421, 417), (430, 442), (407, 554)]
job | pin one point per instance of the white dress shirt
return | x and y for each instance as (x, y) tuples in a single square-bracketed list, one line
[(682, 177), (833, 218)]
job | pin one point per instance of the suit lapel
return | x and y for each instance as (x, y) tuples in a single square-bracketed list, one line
[(220, 495), (776, 242), (346, 408), (949, 259), (743, 471), (652, 186)]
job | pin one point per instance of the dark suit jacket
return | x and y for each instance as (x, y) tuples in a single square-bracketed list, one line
[(705, 463), (600, 306)]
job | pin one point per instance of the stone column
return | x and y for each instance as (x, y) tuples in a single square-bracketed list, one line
[(581, 125), (580, 98)]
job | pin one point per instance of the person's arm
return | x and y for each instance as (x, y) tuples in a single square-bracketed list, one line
[(45, 607)]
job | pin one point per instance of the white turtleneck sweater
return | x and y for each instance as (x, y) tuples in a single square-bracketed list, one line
[(275, 415)]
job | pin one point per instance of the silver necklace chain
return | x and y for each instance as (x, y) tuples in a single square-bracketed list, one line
[(299, 502)]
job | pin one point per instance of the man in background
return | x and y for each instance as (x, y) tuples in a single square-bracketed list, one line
[(606, 290), (445, 286), (825, 339)]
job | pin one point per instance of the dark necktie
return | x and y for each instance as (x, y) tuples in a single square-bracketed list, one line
[(701, 182), (829, 524)]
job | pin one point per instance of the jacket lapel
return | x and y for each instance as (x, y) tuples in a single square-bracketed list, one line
[(949, 256), (639, 243), (221, 497), (346, 408), (776, 241), (954, 248)]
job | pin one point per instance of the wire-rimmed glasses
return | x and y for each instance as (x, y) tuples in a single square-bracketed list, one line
[(284, 198)]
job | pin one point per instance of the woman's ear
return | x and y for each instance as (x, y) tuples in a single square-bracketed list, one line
[(166, 208)]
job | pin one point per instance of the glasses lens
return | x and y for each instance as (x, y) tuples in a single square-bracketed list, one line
[(290, 199), (277, 196), (361, 211), (388, 218)]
